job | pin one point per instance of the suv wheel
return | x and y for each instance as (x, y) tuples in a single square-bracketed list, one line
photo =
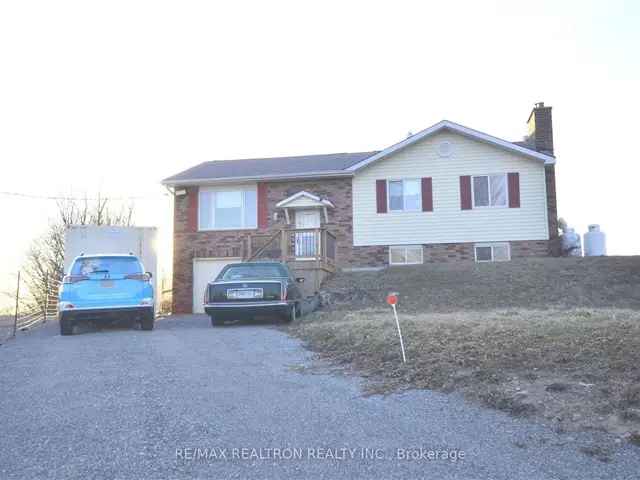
[(66, 325), (148, 321), (216, 320)]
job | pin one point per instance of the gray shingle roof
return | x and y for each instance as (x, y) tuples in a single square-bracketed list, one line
[(525, 144), (277, 166)]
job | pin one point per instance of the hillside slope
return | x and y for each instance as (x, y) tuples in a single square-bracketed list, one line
[(552, 339), (536, 283)]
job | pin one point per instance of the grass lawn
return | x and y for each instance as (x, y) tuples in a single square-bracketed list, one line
[(562, 347)]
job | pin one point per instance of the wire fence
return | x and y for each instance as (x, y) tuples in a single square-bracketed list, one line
[(29, 310)]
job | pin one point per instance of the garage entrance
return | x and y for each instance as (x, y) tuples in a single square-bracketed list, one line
[(205, 270)]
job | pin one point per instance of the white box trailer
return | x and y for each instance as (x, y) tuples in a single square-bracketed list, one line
[(92, 239)]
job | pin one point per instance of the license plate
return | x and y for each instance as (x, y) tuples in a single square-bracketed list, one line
[(244, 293), (106, 283)]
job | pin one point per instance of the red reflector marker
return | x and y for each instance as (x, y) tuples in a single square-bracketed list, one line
[(392, 300)]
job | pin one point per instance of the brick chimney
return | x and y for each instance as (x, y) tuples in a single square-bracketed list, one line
[(540, 137), (540, 125)]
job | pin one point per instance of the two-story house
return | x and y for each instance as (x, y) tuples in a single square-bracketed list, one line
[(447, 193)]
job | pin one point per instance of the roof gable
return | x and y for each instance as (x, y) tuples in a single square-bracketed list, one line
[(460, 129), (304, 199)]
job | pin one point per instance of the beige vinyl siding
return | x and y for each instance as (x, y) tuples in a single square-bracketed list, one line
[(448, 223)]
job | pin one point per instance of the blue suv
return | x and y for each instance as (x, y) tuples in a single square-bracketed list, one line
[(106, 287)]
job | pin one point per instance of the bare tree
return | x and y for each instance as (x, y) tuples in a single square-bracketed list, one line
[(45, 257)]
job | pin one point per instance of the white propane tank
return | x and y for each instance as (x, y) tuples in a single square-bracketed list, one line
[(595, 242), (571, 245)]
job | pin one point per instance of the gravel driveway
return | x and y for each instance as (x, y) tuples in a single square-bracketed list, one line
[(133, 404)]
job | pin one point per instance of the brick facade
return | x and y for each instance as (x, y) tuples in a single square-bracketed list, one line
[(529, 248), (552, 210), (375, 256), (368, 256), (447, 252), (540, 137), (540, 123), (337, 190), (188, 243)]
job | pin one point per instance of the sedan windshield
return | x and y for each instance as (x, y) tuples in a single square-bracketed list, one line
[(243, 272), (111, 265)]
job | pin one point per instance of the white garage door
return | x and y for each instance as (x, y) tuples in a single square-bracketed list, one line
[(205, 270)]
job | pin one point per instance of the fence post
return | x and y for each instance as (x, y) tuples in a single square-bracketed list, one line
[(46, 298), (15, 318)]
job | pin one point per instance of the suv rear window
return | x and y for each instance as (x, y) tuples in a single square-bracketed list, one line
[(112, 265), (243, 272)]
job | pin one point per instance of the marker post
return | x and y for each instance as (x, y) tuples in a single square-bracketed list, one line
[(392, 299)]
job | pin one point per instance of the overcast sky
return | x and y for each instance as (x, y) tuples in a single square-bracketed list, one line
[(114, 96)]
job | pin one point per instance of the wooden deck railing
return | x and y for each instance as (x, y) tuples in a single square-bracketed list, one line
[(295, 244), (263, 247)]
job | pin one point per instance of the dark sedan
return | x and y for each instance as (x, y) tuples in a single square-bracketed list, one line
[(247, 290)]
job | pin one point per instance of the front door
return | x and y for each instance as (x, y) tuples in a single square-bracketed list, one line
[(306, 243)]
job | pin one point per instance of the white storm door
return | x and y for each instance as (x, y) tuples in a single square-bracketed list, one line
[(306, 243)]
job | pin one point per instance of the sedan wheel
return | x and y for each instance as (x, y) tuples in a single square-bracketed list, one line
[(292, 314)]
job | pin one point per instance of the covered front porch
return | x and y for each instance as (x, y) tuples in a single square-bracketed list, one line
[(309, 252), (303, 241)]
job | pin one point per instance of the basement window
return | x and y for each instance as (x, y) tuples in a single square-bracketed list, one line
[(405, 255), (492, 252)]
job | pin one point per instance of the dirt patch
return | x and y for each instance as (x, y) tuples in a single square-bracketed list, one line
[(535, 283), (575, 369)]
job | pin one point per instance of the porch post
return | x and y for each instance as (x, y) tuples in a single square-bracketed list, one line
[(323, 234), (318, 233), (283, 245)]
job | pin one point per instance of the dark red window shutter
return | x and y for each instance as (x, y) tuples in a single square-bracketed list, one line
[(514, 189), (192, 209), (263, 207), (427, 194), (381, 196), (465, 192)]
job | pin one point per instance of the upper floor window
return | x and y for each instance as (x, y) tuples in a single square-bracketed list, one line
[(405, 195), (227, 209), (489, 190)]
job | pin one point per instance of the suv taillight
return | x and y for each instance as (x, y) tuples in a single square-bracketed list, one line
[(74, 278), (138, 276)]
